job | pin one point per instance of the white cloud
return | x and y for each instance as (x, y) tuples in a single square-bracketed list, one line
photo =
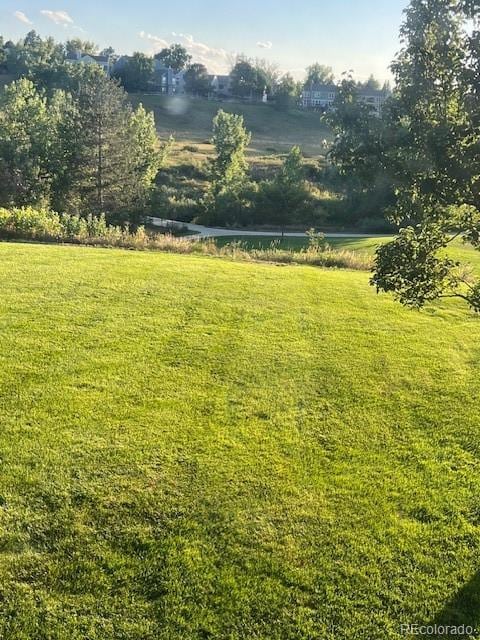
[(58, 17), (19, 15), (215, 59), (157, 43), (265, 45)]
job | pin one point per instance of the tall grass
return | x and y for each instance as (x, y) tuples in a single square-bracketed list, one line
[(47, 226)]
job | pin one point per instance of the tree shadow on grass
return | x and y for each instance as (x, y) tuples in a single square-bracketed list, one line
[(462, 609)]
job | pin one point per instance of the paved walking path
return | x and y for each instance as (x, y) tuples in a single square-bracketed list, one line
[(199, 231)]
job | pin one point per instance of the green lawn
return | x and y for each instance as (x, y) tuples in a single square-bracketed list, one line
[(196, 448), (458, 250)]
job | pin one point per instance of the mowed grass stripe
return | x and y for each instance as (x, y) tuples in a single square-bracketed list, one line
[(193, 447)]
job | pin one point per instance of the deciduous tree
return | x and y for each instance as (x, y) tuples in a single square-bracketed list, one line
[(28, 139), (196, 79), (319, 74), (435, 158), (174, 56), (137, 72)]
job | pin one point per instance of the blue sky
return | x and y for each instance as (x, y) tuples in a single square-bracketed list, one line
[(347, 34)]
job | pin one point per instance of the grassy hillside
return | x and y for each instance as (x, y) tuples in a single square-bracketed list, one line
[(195, 448), (190, 119)]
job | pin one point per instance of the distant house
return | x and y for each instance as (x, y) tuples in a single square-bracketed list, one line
[(319, 96), (322, 96), (166, 80), (221, 86), (77, 57), (373, 97)]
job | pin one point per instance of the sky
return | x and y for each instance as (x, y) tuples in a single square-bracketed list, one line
[(358, 35)]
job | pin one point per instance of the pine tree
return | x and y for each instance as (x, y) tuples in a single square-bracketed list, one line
[(117, 148)]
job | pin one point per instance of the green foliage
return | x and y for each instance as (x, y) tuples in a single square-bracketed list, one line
[(82, 152), (227, 200), (410, 266), (357, 148), (174, 56), (40, 60), (319, 74), (287, 199), (137, 72), (434, 122), (196, 79), (316, 240), (28, 144), (3, 56), (84, 46), (27, 223), (286, 93), (361, 173), (230, 139), (117, 149), (371, 84), (248, 80)]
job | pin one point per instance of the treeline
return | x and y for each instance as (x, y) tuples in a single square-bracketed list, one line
[(45, 62), (81, 149)]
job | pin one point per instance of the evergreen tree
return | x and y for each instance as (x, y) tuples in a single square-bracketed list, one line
[(117, 148)]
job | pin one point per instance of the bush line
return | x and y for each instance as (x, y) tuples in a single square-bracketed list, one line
[(43, 225)]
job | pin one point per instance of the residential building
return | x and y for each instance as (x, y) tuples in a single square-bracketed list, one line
[(321, 97), (221, 86), (77, 57), (166, 80)]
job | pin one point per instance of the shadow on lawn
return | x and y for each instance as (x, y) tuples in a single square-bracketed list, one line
[(463, 608)]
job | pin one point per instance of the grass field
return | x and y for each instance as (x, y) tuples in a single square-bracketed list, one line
[(197, 448), (190, 120), (457, 250)]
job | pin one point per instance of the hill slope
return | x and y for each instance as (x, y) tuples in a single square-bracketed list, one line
[(196, 448), (190, 119)]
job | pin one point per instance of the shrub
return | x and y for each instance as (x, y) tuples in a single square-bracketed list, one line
[(32, 224), (230, 207), (27, 223)]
